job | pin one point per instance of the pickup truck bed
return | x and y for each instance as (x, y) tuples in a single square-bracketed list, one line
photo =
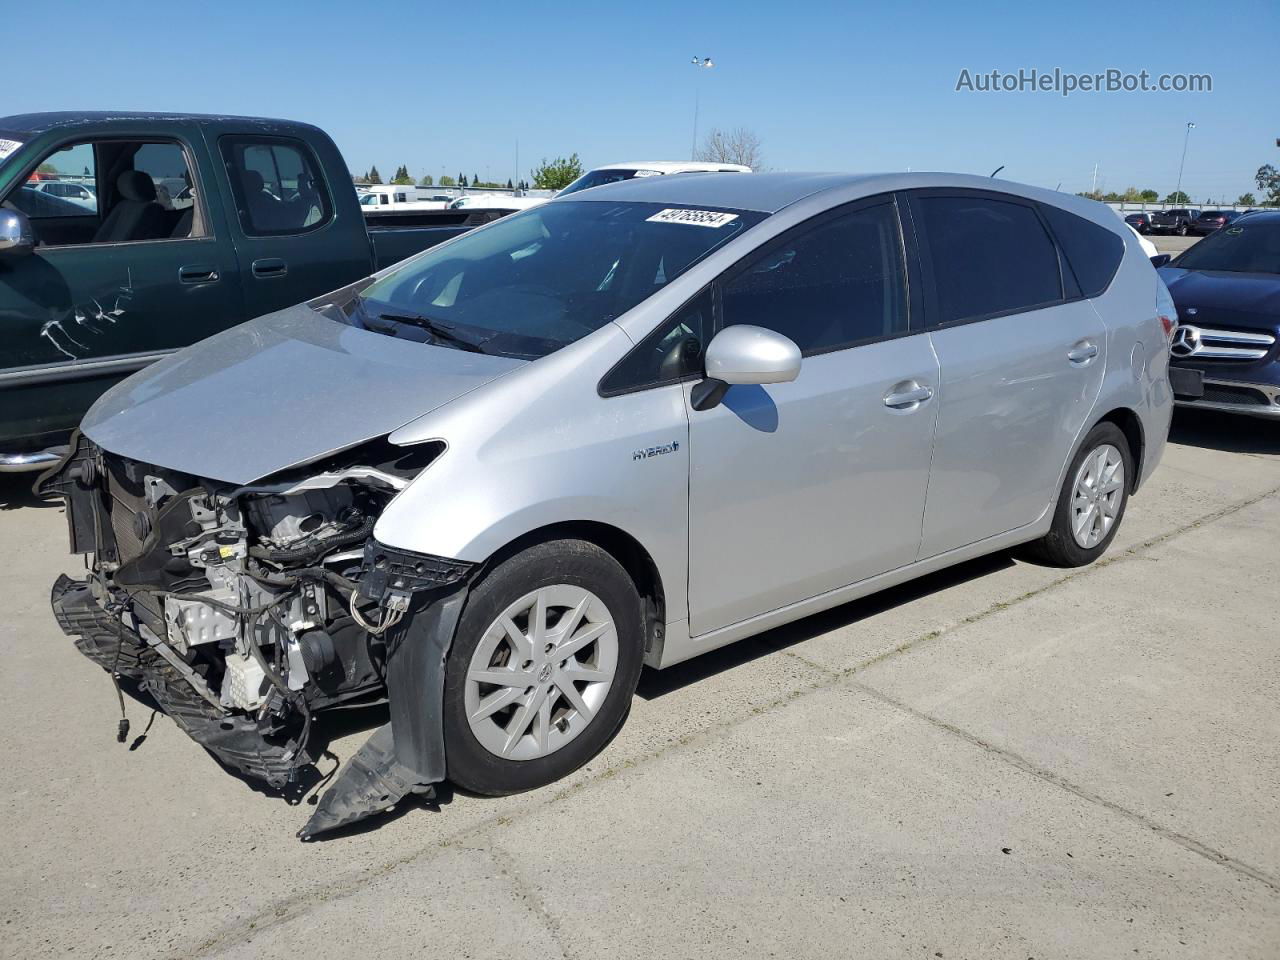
[(192, 224)]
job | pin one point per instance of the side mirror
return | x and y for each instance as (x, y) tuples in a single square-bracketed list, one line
[(1160, 259), (16, 235), (745, 354)]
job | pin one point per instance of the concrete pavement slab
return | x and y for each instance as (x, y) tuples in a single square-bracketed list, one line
[(1154, 683)]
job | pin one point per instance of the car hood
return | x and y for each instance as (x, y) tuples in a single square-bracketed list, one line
[(1248, 300), (277, 392)]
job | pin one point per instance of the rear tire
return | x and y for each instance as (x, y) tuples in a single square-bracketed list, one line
[(1091, 503), (527, 699), (1182, 230)]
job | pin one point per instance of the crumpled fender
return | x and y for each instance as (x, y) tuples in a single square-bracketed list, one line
[(406, 755)]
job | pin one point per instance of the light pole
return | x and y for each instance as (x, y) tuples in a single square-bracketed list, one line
[(702, 63), (1185, 137)]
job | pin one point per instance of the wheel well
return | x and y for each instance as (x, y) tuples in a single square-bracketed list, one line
[(624, 548), (1131, 427)]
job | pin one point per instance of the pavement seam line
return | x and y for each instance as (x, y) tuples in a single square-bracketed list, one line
[(507, 864), (304, 901), (1048, 776)]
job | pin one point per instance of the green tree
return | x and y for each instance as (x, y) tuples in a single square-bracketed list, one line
[(1178, 196), (426, 181), (509, 186), (1148, 196), (402, 176), (1268, 180), (447, 181), (558, 173), (1246, 200), (46, 167), (373, 176)]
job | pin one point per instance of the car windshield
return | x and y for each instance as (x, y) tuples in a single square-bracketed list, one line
[(597, 178), (539, 280), (1248, 246)]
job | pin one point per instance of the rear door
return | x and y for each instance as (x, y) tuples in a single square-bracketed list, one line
[(797, 489), (1021, 361), (298, 233), (87, 307)]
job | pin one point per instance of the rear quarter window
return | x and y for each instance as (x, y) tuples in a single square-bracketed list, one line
[(1093, 252)]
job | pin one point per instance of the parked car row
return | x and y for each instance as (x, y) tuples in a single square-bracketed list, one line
[(626, 426)]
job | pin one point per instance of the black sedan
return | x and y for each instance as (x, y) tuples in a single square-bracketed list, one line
[(1227, 291), (1211, 220)]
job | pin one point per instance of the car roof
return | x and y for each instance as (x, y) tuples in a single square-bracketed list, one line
[(675, 166), (771, 192)]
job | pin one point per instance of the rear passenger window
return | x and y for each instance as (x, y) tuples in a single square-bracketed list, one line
[(988, 256), (277, 186), (835, 285), (1093, 252)]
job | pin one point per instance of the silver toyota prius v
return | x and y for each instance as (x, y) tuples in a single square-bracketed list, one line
[(487, 485)]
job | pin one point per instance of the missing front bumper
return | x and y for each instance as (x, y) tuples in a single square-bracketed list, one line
[(239, 741)]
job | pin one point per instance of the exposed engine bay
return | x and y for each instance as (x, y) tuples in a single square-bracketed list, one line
[(245, 610)]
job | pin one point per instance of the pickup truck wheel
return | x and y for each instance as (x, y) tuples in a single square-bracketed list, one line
[(542, 669), (1091, 502), (1182, 230)]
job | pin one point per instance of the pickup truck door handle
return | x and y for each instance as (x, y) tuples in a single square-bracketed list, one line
[(270, 267), (197, 273), (1083, 352), (907, 396)]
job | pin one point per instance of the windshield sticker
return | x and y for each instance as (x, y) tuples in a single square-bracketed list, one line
[(696, 218), (647, 173), (8, 146)]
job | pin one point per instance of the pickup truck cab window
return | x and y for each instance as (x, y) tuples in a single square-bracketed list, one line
[(111, 191), (277, 186)]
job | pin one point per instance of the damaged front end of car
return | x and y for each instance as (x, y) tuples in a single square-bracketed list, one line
[(245, 610)]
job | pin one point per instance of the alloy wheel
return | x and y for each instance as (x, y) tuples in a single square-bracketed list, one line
[(1097, 494), (541, 672)]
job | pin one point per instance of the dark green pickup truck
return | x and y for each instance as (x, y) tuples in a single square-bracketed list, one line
[(125, 236)]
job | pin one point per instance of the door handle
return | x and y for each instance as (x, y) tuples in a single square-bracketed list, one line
[(907, 395), (270, 267), (1083, 352), (197, 273)]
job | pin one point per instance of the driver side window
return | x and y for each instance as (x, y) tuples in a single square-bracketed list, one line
[(669, 354)]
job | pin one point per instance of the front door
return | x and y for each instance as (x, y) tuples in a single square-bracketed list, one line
[(800, 488), (1020, 367), (104, 294)]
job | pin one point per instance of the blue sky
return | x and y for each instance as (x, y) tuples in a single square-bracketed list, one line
[(826, 86)]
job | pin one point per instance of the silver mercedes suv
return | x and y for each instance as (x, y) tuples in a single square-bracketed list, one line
[(625, 427)]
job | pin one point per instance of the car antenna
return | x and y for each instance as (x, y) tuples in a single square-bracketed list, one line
[(997, 169)]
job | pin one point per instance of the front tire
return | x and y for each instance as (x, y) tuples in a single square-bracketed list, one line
[(1091, 503), (1182, 230), (543, 667)]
